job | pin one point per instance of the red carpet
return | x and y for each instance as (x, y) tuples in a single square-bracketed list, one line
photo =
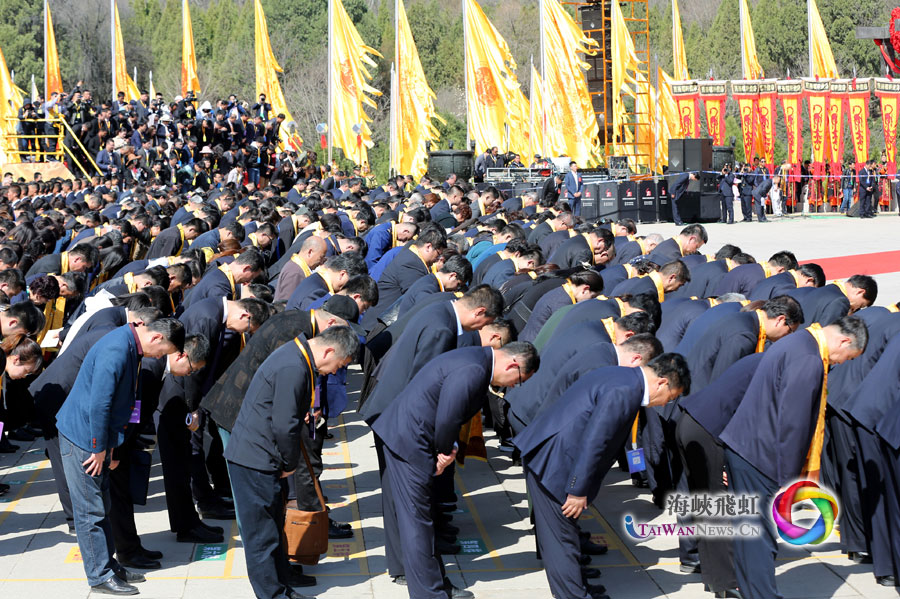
[(860, 264)]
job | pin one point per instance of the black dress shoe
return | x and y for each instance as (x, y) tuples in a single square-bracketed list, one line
[(296, 595), (595, 589), (71, 528), (859, 557), (886, 581), (448, 528), (401, 580), (335, 532), (729, 594), (592, 548), (150, 554), (454, 592), (342, 525), (199, 534), (21, 435), (139, 561), (216, 529), (7, 447), (506, 446), (217, 511), (690, 567), (299, 579), (590, 573), (129, 576), (4, 488), (445, 548), (114, 586), (584, 559)]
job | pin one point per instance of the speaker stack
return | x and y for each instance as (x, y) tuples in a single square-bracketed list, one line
[(700, 203), (600, 200), (627, 200), (648, 201), (595, 19)]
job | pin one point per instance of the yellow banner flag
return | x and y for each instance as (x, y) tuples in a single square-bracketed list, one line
[(491, 82), (668, 108), (52, 78), (566, 87), (750, 62), (267, 69), (520, 126), (623, 82), (189, 79), (124, 82), (819, 49), (679, 62), (538, 122), (416, 103), (152, 89), (10, 103), (350, 87)]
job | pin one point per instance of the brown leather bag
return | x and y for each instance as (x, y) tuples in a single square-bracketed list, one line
[(306, 533)]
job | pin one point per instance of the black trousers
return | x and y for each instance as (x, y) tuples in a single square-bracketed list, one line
[(865, 203), (558, 541), (121, 508), (59, 478), (259, 502), (891, 458), (876, 515), (842, 475), (411, 491), (747, 206), (727, 208), (301, 486), (174, 441), (754, 557), (704, 461), (393, 545)]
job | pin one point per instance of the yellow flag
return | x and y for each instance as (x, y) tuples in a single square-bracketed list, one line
[(350, 87), (189, 79), (566, 88), (10, 103), (623, 81), (819, 49), (538, 122), (491, 83), (520, 126), (751, 66), (152, 90), (678, 59), (124, 82), (416, 103), (267, 69), (52, 78)]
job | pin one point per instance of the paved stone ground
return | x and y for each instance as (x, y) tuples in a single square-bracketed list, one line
[(37, 555)]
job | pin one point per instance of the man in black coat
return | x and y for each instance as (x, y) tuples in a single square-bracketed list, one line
[(760, 192), (266, 447), (669, 278), (596, 247), (226, 280), (561, 222), (742, 279), (832, 302), (677, 190), (81, 259), (567, 452), (175, 239), (419, 432), (768, 439), (688, 241), (328, 279), (807, 275), (727, 192)]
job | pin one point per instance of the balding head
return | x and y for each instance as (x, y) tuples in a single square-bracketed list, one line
[(313, 251)]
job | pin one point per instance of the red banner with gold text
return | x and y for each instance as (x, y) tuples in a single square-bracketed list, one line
[(714, 95), (747, 93), (816, 92), (687, 98), (790, 92), (888, 92), (837, 98), (765, 122), (858, 115)]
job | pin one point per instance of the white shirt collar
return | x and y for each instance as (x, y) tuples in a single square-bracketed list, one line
[(459, 327), (224, 309), (493, 357), (645, 400)]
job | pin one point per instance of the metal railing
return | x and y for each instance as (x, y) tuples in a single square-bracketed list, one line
[(42, 148)]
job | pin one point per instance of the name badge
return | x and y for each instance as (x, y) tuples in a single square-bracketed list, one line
[(636, 460), (135, 413)]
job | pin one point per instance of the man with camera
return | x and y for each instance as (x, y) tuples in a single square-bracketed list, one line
[(726, 181)]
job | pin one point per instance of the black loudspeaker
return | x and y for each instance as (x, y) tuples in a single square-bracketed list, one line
[(697, 154), (663, 201), (722, 155), (676, 155), (853, 210), (600, 200), (520, 188), (699, 207), (589, 209), (648, 204), (444, 162), (627, 200), (709, 183)]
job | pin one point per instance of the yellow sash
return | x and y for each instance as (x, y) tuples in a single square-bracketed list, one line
[(621, 306), (761, 342), (440, 283), (129, 282), (766, 269), (610, 325), (532, 274), (549, 222), (680, 247), (710, 258), (327, 281), (814, 456), (570, 290), (840, 285), (312, 377), (54, 313), (63, 263), (745, 302), (181, 236), (796, 275), (643, 244), (253, 241), (227, 272), (296, 259), (590, 245), (713, 302), (415, 251), (729, 264), (893, 308), (393, 235), (631, 237), (657, 280), (630, 270)]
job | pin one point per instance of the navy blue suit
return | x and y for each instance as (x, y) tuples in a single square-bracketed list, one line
[(740, 279), (397, 278), (424, 287), (704, 278), (676, 190), (727, 192), (824, 305), (590, 310), (571, 253), (723, 345), (627, 251), (549, 303), (700, 325), (677, 316), (665, 252), (634, 286), (760, 191), (379, 240), (214, 284), (773, 286), (310, 289), (167, 243)]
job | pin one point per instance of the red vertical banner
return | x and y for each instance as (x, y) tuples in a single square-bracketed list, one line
[(790, 93), (765, 122), (888, 92), (747, 94), (816, 93), (837, 98), (858, 115), (714, 94), (687, 99)]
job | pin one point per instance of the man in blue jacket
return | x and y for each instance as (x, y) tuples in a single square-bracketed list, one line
[(92, 421)]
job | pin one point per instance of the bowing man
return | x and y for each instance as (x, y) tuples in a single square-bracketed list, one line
[(567, 452)]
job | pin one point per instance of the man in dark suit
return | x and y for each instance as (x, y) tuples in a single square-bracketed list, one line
[(419, 433), (742, 279), (706, 276), (627, 251), (175, 239), (770, 440), (597, 310), (84, 258), (688, 241), (807, 275), (579, 286), (561, 222), (567, 452), (867, 181), (595, 247), (212, 238), (455, 274), (573, 187), (266, 447), (760, 192), (327, 280), (226, 280), (91, 423), (676, 191), (727, 192), (667, 279), (832, 302)]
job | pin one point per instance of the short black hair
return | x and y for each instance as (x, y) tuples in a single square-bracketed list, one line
[(171, 329), (645, 344), (252, 258), (484, 296), (197, 348), (677, 268), (854, 327), (784, 305), (674, 368), (13, 277), (365, 286), (636, 322), (236, 229), (159, 298), (525, 353), (698, 230), (459, 265), (587, 277), (30, 317), (815, 272), (86, 252), (158, 274), (784, 259), (727, 251), (646, 302), (867, 284), (352, 262), (258, 309)]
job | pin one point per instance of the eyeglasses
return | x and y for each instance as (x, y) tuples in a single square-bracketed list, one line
[(190, 365), (519, 384)]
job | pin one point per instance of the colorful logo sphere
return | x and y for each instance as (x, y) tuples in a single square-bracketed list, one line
[(801, 491)]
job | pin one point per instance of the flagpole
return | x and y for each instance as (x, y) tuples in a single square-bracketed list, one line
[(395, 89), (393, 120), (330, 77), (466, 70), (112, 44), (743, 48), (46, 70), (543, 78), (809, 41)]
